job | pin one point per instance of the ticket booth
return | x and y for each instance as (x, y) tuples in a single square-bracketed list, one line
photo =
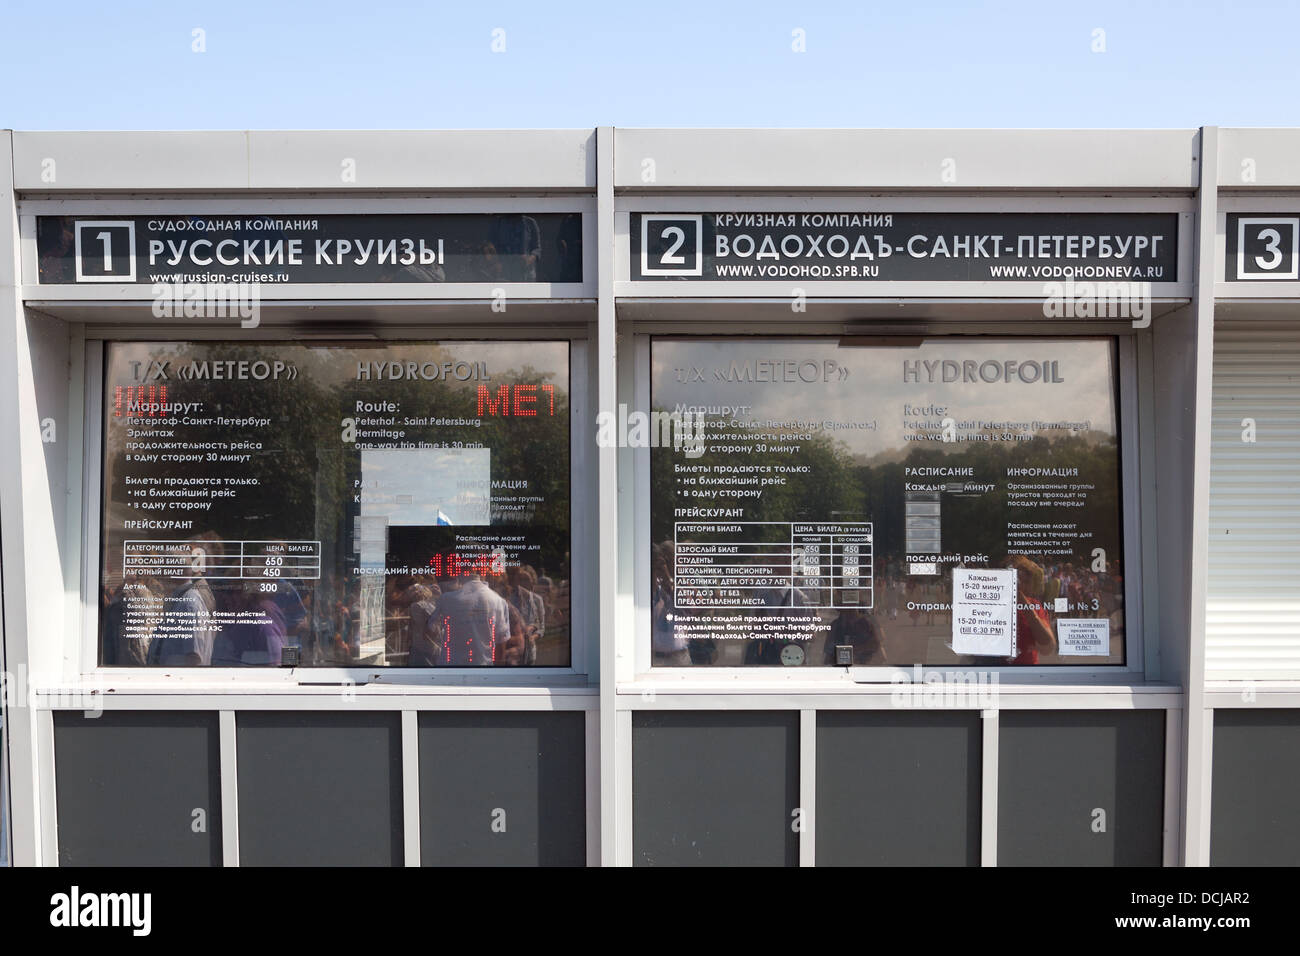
[(296, 567), (1252, 627), (649, 497), (903, 589)]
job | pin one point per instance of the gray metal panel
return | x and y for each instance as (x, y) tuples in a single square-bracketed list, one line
[(19, 739), (1172, 445), (1254, 158), (898, 788), (715, 788), (1256, 778), (956, 159), (320, 789), (128, 784), (523, 771), (484, 159), (1057, 768), (201, 161), (117, 160)]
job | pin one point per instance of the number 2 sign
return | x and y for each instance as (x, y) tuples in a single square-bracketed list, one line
[(672, 245)]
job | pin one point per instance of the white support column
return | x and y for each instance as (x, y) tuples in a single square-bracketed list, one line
[(606, 504), (411, 787), (808, 787), (989, 790), (229, 790), (1196, 814), (1173, 784), (623, 848), (591, 766), (20, 725), (47, 787)]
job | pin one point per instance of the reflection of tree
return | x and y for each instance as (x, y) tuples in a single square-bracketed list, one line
[(977, 523), (839, 487), (285, 465), (532, 448), (306, 473), (829, 487)]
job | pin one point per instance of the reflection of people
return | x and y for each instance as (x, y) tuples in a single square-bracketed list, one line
[(256, 635), (668, 648), (529, 604), (518, 241), (287, 599), (1033, 630), (787, 602), (470, 626), (56, 261), (127, 636), (420, 606), (569, 250), (858, 630), (184, 635)]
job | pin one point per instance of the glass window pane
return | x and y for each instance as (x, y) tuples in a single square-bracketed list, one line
[(820, 494), (395, 505)]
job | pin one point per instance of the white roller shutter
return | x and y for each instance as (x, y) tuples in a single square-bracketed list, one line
[(1253, 603)]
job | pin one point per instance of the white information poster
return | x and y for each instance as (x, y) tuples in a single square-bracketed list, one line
[(984, 611), (1083, 636)]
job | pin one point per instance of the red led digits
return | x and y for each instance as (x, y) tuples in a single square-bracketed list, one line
[(454, 565), (525, 394), (485, 400), (141, 401), (519, 401), (469, 641)]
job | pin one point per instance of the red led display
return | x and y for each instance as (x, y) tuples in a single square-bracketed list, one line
[(518, 401), (455, 565), (151, 407)]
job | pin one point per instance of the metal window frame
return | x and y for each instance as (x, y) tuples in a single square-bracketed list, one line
[(88, 395), (648, 679)]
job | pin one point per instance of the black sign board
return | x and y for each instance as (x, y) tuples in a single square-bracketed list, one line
[(294, 249), (1262, 247), (882, 247)]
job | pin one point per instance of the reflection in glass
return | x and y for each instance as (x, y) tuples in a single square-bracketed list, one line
[(842, 483), (396, 505)]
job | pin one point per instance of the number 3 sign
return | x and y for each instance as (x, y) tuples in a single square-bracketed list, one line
[(1268, 248)]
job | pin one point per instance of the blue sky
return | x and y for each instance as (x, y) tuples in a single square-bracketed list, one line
[(380, 64)]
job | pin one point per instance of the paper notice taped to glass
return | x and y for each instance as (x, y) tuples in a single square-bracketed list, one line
[(984, 611), (1083, 636)]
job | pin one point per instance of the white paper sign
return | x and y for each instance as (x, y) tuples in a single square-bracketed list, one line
[(1083, 636), (984, 611)]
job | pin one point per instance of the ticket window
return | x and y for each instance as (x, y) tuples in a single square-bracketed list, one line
[(396, 505), (822, 500)]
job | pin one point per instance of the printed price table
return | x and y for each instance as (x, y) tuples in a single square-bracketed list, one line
[(285, 560), (746, 564)]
